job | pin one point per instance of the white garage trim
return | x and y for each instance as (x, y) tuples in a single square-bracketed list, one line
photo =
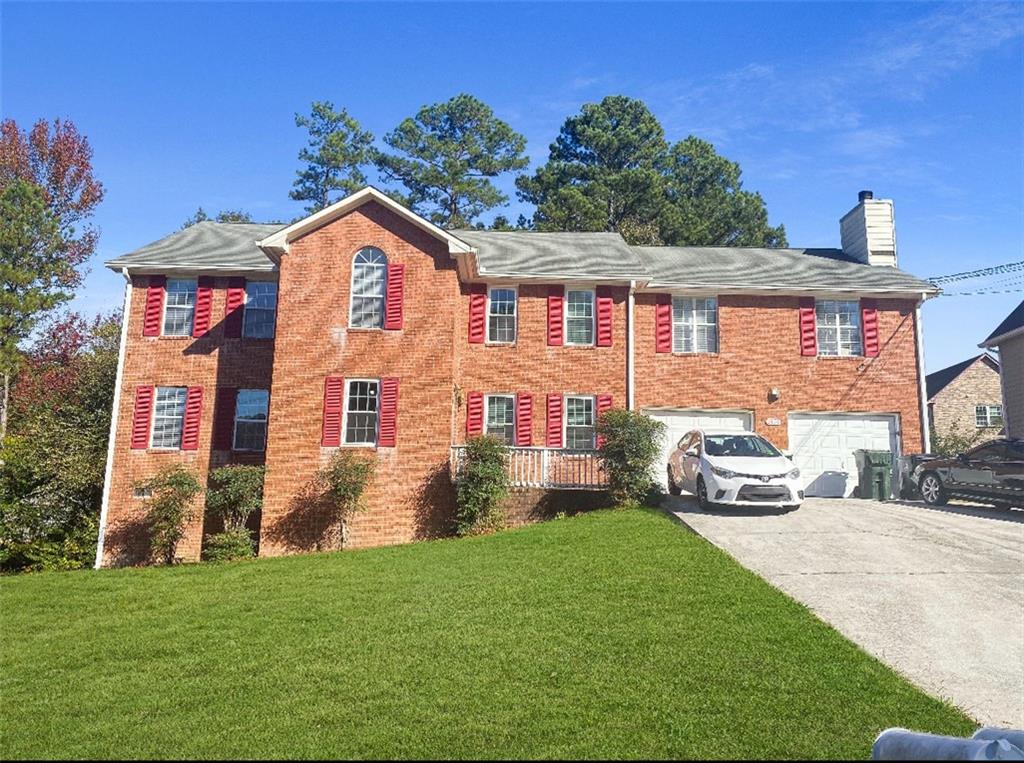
[(822, 444)]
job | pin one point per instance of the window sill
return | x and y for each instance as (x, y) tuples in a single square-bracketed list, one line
[(174, 337), (498, 344), (695, 354)]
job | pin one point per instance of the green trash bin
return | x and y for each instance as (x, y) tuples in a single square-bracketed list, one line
[(874, 468)]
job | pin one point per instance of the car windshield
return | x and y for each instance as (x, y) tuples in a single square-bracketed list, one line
[(745, 445)]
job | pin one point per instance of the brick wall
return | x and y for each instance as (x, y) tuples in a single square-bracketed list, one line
[(952, 409), (526, 505), (759, 348)]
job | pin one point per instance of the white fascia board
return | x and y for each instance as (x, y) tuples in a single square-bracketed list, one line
[(186, 268), (823, 291), (278, 243), (997, 340)]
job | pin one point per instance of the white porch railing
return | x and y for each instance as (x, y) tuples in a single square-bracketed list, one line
[(553, 468)]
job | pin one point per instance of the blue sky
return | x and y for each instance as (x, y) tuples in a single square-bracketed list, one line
[(193, 104)]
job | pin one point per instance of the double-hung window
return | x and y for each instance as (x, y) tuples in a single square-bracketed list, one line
[(251, 419), (988, 415), (260, 309), (369, 284), (362, 407), (580, 431), (579, 317), (501, 418), (838, 327), (179, 307), (168, 417), (501, 315), (694, 324)]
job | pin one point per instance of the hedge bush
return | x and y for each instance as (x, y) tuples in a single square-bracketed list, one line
[(343, 481), (169, 507), (480, 486), (630, 443)]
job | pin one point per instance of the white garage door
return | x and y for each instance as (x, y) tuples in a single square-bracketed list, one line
[(823, 446), (679, 421)]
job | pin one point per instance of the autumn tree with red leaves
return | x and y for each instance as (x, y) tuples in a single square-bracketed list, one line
[(48, 194)]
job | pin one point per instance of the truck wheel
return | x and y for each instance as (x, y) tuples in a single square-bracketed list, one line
[(932, 491)]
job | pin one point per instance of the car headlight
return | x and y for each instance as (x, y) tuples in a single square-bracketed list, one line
[(793, 473), (723, 473)]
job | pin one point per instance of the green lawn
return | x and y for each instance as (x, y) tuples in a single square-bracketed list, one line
[(612, 634)]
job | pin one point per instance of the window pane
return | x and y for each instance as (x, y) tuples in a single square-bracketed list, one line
[(260, 308), (694, 324), (251, 419), (361, 413), (369, 283), (579, 423), (168, 417), (579, 322), (838, 327), (501, 417), (501, 317), (179, 307)]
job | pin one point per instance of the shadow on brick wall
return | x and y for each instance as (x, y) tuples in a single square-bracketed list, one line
[(310, 523), (434, 504), (129, 542)]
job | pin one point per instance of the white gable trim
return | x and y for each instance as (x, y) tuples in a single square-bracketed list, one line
[(278, 243)]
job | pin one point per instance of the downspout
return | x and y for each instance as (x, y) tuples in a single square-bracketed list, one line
[(922, 390), (630, 372), (109, 469)]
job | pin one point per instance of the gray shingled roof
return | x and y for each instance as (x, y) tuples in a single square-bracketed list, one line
[(753, 267), (536, 254), (1012, 322), (224, 246), (939, 380)]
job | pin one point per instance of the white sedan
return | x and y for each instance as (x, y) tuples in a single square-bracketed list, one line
[(733, 468)]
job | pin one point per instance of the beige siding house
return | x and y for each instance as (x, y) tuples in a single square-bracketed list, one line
[(965, 399), (1008, 340)]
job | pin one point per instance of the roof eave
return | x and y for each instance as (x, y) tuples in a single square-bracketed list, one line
[(997, 340)]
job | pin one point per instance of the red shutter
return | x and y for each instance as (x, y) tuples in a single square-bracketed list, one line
[(394, 297), (193, 412), (663, 323), (224, 418), (524, 420), (334, 393), (142, 416), (604, 403), (388, 430), (556, 312), (869, 327), (234, 308), (554, 433), (605, 308), (474, 414), (477, 313), (808, 327), (154, 306), (204, 306)]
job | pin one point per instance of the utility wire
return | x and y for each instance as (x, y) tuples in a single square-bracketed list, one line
[(1010, 267)]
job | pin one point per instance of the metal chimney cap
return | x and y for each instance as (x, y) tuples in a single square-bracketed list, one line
[(865, 195)]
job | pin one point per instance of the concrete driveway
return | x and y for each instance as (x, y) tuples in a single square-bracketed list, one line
[(936, 593)]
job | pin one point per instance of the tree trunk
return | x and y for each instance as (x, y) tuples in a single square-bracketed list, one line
[(5, 395)]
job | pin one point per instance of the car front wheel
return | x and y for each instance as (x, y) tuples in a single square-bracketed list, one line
[(673, 488), (932, 491), (702, 494)]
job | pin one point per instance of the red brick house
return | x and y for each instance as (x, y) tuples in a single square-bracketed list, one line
[(365, 326)]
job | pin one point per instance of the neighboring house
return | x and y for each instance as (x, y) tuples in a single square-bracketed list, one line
[(964, 400), (1008, 341), (365, 326)]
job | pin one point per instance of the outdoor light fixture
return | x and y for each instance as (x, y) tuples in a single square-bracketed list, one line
[(774, 394)]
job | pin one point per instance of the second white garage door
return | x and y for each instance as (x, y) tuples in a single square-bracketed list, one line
[(823, 446), (679, 421)]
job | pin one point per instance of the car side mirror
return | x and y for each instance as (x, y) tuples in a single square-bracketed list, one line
[(691, 452), (788, 454)]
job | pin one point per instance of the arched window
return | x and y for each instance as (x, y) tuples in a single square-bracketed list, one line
[(369, 283)]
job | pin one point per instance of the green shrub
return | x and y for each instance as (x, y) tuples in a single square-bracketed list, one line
[(954, 442), (229, 546), (480, 486), (169, 508), (630, 444), (343, 481)]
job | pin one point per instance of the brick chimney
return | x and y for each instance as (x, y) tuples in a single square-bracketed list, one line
[(868, 231)]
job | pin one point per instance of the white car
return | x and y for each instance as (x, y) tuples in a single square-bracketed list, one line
[(735, 469)]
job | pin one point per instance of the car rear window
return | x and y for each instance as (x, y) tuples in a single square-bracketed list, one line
[(745, 445)]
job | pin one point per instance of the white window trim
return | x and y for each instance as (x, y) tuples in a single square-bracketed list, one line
[(163, 315), (152, 419), (817, 326), (694, 324), (234, 426), (593, 315), (515, 315), (989, 408), (565, 420), (245, 311), (344, 416), (487, 410), (352, 291)]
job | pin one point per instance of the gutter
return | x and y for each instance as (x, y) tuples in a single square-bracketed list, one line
[(109, 468), (630, 364), (922, 392)]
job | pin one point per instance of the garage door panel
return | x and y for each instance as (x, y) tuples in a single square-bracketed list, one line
[(823, 447), (679, 422)]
